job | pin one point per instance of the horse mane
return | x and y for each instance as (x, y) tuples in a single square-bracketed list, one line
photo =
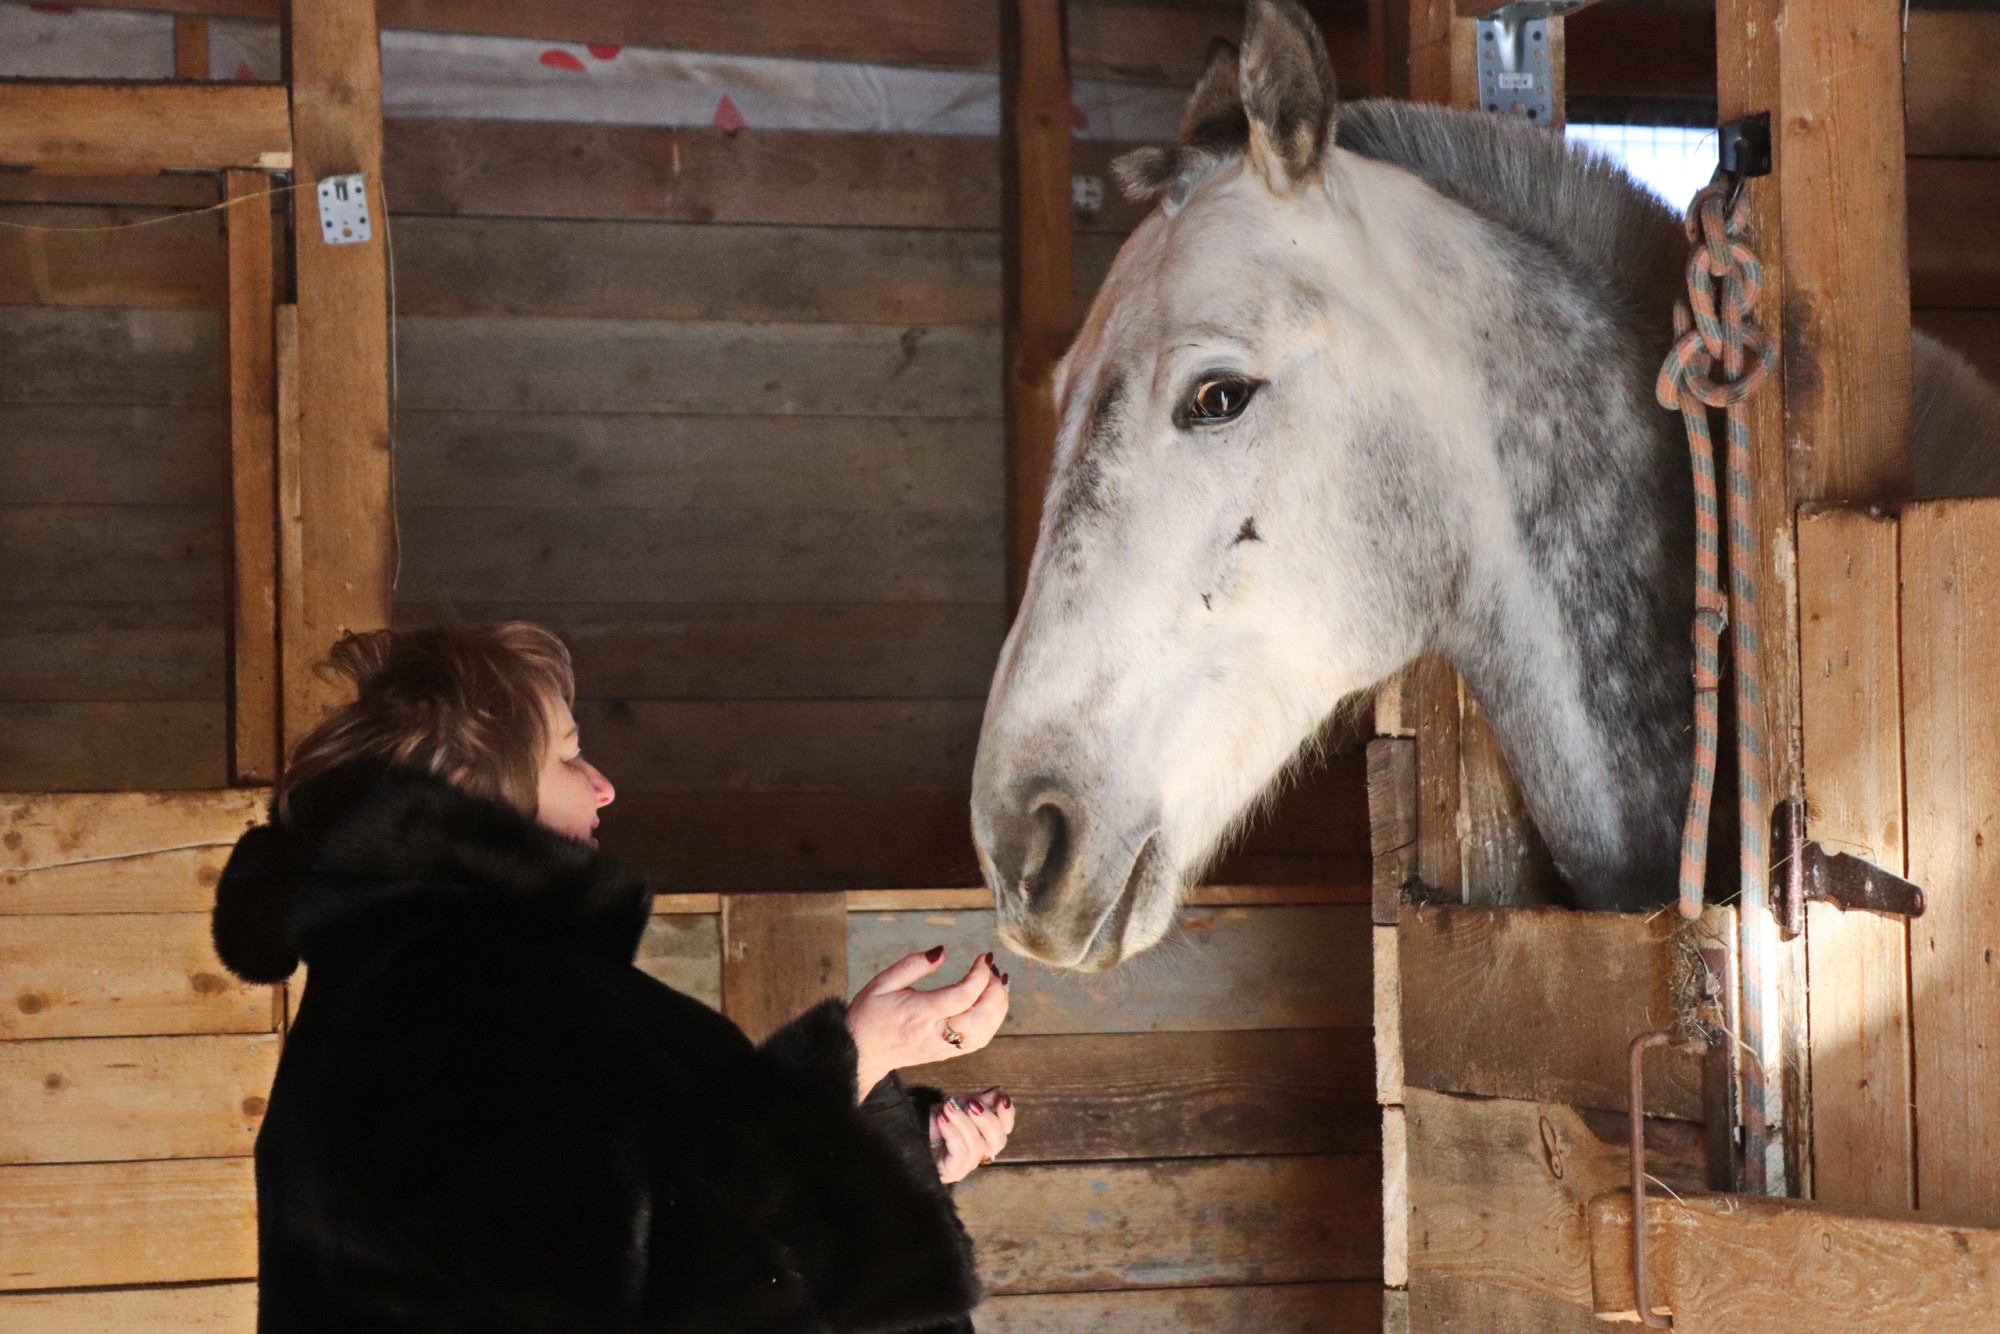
[(1575, 203)]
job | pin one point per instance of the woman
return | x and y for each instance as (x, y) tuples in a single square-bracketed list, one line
[(486, 1119)]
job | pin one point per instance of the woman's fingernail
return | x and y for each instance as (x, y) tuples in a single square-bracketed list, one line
[(1005, 983), (989, 962), (954, 1104), (1006, 1103), (934, 953), (975, 1108)]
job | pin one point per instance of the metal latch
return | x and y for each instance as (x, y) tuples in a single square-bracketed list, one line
[(1811, 874)]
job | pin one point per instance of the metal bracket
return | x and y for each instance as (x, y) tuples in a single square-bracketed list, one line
[(1516, 71), (1814, 875), (1743, 146)]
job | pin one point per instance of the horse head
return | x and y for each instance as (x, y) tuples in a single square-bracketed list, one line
[(1292, 457)]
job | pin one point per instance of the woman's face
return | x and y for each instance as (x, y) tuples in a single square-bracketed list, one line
[(571, 791)]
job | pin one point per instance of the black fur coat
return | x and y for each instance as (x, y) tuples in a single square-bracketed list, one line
[(487, 1121)]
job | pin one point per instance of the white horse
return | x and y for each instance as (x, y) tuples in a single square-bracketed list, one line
[(1370, 381)]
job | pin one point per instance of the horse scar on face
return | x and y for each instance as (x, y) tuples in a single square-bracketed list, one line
[(1206, 602), (1248, 532)]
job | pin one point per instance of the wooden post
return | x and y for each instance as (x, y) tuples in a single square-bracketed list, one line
[(190, 46), (781, 955), (1829, 225), (343, 394), (1037, 264), (295, 655), (253, 600)]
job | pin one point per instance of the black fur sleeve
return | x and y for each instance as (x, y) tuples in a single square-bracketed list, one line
[(817, 1048)]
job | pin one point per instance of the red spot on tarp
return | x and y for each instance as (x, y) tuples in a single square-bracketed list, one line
[(1077, 120), (727, 118), (555, 59), (244, 72), (604, 50)]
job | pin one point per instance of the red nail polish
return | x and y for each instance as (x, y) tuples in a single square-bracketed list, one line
[(1005, 981), (974, 1107), (1006, 1103), (934, 953)]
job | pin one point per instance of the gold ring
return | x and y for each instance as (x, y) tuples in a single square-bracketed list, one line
[(986, 1162), (953, 1036)]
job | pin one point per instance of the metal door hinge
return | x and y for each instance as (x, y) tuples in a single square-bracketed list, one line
[(1808, 873)]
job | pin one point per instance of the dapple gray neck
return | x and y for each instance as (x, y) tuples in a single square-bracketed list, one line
[(1570, 623)]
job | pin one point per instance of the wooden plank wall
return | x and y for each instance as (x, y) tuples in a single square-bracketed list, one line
[(1954, 181), (113, 501), (725, 409)]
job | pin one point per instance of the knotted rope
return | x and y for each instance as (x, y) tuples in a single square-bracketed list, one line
[(1709, 331)]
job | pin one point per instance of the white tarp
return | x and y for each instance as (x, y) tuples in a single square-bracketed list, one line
[(441, 76)]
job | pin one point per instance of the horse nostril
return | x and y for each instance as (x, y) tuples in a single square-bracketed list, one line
[(1047, 862)]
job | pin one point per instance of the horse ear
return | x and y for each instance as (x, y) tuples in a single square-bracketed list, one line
[(1288, 91), (1218, 96), (1212, 128)]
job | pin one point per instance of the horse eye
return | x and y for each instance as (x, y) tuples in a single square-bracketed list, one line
[(1218, 400)]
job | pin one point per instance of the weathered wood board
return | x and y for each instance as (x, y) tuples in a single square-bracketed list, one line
[(485, 555), (144, 127), (1950, 658), (1185, 1223), (1285, 1308), (1733, 1264), (491, 363), (1175, 1095), (114, 1099), (1863, 1134), (783, 745), (785, 650), (596, 461), (99, 1224), (204, 1308), (1224, 969), (1499, 1189), (116, 745), (121, 974), (1541, 1004)]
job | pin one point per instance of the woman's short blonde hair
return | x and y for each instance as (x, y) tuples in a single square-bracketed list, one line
[(468, 704)]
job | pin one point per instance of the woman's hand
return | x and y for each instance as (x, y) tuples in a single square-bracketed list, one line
[(894, 1025), (968, 1133)]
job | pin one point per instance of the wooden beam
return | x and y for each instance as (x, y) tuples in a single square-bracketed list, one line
[(190, 46), (254, 728), (781, 955), (1851, 714), (346, 539), (1735, 1264), (295, 654), (1146, 41), (1036, 258), (1950, 660), (144, 127)]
